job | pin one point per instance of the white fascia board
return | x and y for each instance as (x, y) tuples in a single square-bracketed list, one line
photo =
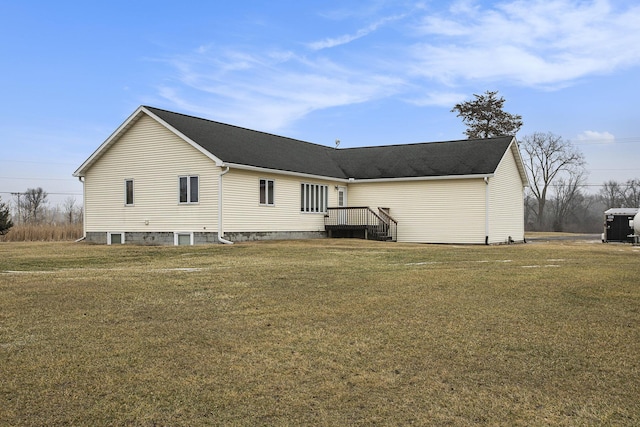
[(421, 178), (515, 149), (352, 180), (281, 172), (108, 142)]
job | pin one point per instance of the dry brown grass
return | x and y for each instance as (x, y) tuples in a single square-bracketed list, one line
[(326, 332), (43, 233)]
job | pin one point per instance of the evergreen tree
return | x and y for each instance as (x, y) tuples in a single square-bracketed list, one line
[(5, 219), (485, 118)]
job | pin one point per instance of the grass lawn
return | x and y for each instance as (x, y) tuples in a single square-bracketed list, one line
[(322, 332)]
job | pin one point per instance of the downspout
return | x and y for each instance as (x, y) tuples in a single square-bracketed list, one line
[(84, 211), (220, 232), (486, 210)]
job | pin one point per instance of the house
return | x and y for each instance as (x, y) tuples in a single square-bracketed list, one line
[(169, 178)]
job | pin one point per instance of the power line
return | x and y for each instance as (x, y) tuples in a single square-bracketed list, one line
[(53, 194), (37, 162), (613, 169), (39, 179), (612, 142)]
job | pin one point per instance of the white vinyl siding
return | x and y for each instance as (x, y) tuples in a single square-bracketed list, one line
[(243, 214), (430, 211), (156, 183), (506, 202)]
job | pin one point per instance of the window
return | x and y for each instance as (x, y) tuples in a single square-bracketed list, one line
[(128, 192), (266, 192), (180, 239), (189, 189), (115, 238), (314, 198)]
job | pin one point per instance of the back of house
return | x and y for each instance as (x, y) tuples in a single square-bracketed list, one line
[(169, 178)]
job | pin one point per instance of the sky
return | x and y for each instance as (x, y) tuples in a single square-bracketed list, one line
[(374, 72)]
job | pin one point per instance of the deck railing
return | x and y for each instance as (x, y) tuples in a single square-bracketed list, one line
[(376, 226), (392, 224)]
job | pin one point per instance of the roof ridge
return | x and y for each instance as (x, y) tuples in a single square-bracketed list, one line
[(427, 143)]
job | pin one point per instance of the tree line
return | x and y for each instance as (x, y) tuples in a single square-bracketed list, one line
[(556, 199), (32, 208)]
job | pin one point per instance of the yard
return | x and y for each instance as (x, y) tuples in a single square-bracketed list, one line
[(322, 332)]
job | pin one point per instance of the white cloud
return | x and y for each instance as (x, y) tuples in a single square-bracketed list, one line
[(531, 43), (593, 137), (337, 41), (347, 38), (542, 43), (269, 91), (438, 99)]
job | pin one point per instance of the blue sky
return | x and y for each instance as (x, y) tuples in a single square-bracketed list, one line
[(365, 72)]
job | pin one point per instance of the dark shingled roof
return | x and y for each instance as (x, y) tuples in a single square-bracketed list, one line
[(465, 157), (233, 144)]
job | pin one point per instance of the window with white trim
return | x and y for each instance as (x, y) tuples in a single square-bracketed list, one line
[(183, 239), (267, 192), (314, 198), (128, 192), (115, 238), (189, 189)]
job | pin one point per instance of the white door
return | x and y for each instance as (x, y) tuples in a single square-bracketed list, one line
[(342, 203)]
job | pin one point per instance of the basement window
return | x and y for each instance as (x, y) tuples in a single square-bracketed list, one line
[(115, 238), (183, 239)]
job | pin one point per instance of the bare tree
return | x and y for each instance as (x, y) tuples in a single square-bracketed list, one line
[(80, 214), (485, 117), (547, 157), (632, 193), (529, 201), (568, 198), (612, 194), (34, 201), (69, 209), (18, 202)]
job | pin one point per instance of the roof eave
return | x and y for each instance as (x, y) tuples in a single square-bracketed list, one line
[(515, 149), (420, 178), (282, 172)]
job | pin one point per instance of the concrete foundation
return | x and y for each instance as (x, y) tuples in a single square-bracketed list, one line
[(200, 238), (274, 235)]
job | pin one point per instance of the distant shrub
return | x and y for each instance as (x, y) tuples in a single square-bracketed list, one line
[(43, 233)]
